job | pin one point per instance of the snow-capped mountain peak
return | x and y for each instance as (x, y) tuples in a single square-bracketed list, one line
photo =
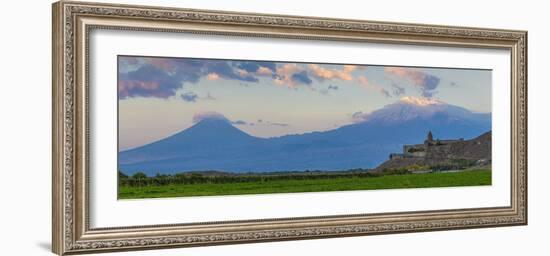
[(409, 108), (420, 101)]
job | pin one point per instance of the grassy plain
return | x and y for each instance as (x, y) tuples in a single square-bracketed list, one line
[(426, 180)]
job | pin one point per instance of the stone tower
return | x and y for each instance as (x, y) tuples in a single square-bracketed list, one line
[(430, 137)]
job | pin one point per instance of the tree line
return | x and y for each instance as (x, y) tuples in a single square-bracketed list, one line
[(141, 179)]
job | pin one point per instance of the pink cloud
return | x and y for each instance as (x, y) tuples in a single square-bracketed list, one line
[(136, 87), (372, 86), (415, 76), (165, 64), (425, 82), (212, 76), (263, 71), (284, 74), (242, 72), (329, 74)]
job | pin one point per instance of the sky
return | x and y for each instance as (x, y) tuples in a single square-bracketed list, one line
[(160, 96)]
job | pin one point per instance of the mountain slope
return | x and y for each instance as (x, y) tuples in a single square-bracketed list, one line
[(206, 135), (217, 145)]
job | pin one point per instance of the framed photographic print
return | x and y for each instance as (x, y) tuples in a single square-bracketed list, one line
[(179, 127)]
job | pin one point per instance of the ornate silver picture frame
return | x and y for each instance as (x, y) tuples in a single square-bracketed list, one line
[(73, 23)]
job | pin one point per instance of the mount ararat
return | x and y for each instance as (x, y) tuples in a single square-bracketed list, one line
[(215, 144)]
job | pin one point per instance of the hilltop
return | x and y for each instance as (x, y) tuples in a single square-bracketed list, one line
[(443, 154)]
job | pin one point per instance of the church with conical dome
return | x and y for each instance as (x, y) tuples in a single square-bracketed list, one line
[(420, 150)]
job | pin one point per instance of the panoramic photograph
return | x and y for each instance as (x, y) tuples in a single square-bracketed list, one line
[(215, 127)]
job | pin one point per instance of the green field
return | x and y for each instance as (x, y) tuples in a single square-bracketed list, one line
[(447, 179)]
